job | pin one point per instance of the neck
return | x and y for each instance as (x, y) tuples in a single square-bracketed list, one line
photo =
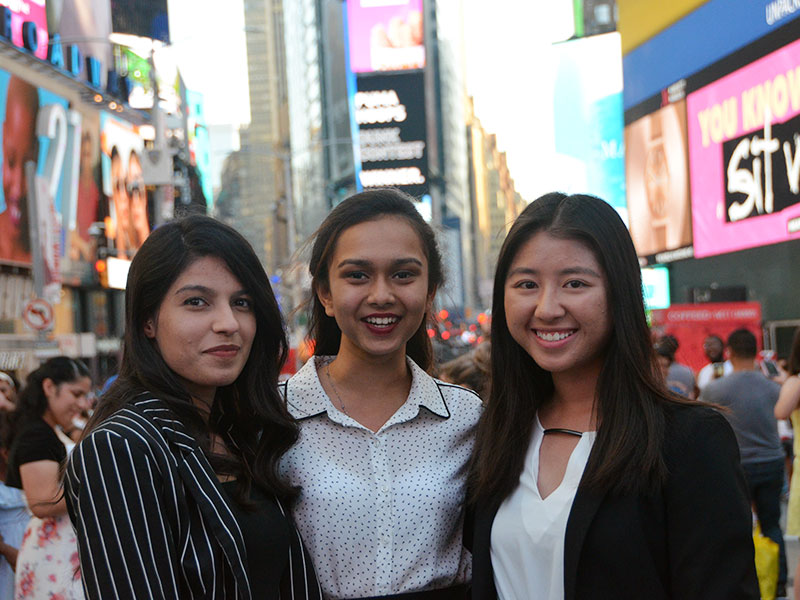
[(743, 364), (573, 401), (352, 365)]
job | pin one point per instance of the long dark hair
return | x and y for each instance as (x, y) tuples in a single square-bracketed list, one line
[(369, 206), (32, 401), (248, 414), (630, 394)]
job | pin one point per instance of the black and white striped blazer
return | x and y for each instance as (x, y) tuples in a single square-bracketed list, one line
[(151, 518)]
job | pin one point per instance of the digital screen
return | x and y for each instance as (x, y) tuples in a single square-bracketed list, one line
[(21, 106), (390, 112), (588, 121), (657, 184), (385, 35), (145, 19), (655, 284), (28, 11), (744, 152)]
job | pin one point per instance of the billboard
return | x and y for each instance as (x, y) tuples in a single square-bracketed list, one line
[(35, 130), (744, 150), (657, 182), (129, 212), (87, 24), (385, 35), (693, 323), (588, 121), (145, 19), (390, 112), (28, 11)]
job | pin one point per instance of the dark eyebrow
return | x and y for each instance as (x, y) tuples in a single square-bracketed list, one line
[(206, 290), (360, 262), (567, 271)]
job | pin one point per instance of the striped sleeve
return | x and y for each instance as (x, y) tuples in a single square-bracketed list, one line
[(112, 491)]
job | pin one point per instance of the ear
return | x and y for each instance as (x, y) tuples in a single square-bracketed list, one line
[(150, 328), (49, 387), (324, 296), (429, 300)]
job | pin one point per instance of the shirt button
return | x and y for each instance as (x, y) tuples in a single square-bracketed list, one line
[(385, 489)]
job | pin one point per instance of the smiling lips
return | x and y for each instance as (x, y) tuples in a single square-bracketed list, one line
[(553, 336), (381, 323)]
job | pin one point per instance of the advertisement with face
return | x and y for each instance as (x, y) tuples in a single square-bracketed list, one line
[(657, 182), (90, 206), (385, 35), (744, 150), (21, 106), (128, 223), (28, 11)]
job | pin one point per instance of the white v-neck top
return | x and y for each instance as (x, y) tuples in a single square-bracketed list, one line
[(527, 543)]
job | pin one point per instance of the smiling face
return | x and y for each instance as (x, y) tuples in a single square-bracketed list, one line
[(377, 286), (556, 305), (65, 401), (204, 327)]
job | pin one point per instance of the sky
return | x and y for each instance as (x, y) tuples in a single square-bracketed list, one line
[(507, 71)]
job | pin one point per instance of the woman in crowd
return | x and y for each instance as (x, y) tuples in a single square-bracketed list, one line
[(54, 394), (383, 447), (174, 490), (788, 406), (591, 481)]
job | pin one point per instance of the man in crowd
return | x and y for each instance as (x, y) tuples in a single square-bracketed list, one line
[(751, 398), (718, 366), (20, 145)]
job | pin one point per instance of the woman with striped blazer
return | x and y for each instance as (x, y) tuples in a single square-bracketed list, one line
[(173, 490)]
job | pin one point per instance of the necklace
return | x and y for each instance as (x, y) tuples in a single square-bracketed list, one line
[(333, 386)]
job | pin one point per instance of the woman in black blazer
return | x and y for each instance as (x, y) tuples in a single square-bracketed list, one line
[(591, 480), (173, 490)]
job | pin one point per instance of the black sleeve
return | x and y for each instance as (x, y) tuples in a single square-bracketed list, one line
[(708, 512), (35, 441)]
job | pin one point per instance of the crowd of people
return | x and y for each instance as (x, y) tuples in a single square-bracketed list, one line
[(566, 457)]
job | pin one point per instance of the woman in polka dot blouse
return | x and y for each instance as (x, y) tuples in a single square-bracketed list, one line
[(383, 449)]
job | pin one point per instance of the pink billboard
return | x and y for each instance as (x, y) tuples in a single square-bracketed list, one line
[(28, 11), (385, 35), (744, 156)]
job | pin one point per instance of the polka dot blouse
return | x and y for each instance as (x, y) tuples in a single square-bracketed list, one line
[(382, 512)]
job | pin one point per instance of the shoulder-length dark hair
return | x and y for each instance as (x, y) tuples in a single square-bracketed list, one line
[(630, 394), (248, 414), (32, 401), (369, 206)]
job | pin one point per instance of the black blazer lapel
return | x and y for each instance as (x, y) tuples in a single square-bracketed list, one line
[(201, 482), (583, 510)]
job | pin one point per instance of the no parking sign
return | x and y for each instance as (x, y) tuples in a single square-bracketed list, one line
[(38, 315)]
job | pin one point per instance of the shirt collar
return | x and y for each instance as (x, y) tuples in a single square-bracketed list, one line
[(306, 398)]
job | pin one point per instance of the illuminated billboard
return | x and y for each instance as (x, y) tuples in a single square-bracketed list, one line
[(390, 112), (128, 223), (145, 19), (657, 183), (744, 149), (588, 123), (33, 37), (385, 35)]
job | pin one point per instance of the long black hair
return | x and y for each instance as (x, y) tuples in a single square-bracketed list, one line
[(369, 206), (630, 396), (32, 400), (248, 414)]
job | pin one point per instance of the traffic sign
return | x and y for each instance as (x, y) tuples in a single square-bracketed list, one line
[(38, 315)]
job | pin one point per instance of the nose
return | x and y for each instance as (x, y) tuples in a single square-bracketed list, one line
[(549, 306), (225, 320), (380, 292), (83, 403)]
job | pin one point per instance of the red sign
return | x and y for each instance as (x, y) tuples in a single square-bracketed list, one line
[(38, 315), (692, 323)]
